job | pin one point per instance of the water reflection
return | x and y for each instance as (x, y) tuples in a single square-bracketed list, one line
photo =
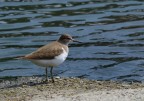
[(111, 31)]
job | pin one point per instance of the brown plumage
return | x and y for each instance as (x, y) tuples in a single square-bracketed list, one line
[(48, 51)]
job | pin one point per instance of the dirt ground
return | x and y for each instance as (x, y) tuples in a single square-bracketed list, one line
[(69, 89)]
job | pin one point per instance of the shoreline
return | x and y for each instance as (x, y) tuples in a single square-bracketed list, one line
[(71, 89)]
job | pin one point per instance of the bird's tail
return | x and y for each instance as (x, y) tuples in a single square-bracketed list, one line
[(19, 57)]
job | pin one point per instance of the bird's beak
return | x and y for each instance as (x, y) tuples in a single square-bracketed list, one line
[(76, 41)]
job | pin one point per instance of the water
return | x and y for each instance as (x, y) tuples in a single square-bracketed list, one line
[(112, 32)]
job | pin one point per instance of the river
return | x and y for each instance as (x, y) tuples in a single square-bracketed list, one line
[(112, 32)]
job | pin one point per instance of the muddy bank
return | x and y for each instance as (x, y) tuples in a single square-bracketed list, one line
[(31, 89)]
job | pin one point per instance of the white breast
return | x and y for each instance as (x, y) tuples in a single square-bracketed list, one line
[(53, 62)]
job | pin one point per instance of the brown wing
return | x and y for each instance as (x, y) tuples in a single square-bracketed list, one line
[(46, 52)]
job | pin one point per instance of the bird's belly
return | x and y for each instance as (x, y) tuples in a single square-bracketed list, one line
[(50, 62)]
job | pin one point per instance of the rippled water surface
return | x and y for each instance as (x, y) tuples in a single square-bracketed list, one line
[(112, 32)]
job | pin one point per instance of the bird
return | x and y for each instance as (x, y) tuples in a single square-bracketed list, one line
[(51, 55)]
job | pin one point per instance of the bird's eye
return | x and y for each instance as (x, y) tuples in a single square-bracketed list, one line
[(68, 38)]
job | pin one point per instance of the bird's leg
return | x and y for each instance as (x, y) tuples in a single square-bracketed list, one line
[(46, 74), (51, 72)]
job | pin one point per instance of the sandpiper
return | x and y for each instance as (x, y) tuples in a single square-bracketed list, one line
[(52, 54)]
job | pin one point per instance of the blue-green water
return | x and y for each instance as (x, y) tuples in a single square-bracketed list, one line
[(112, 32)]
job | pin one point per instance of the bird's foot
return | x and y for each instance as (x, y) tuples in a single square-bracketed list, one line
[(53, 81), (44, 81)]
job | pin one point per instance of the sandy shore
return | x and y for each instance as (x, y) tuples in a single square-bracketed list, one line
[(70, 89)]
